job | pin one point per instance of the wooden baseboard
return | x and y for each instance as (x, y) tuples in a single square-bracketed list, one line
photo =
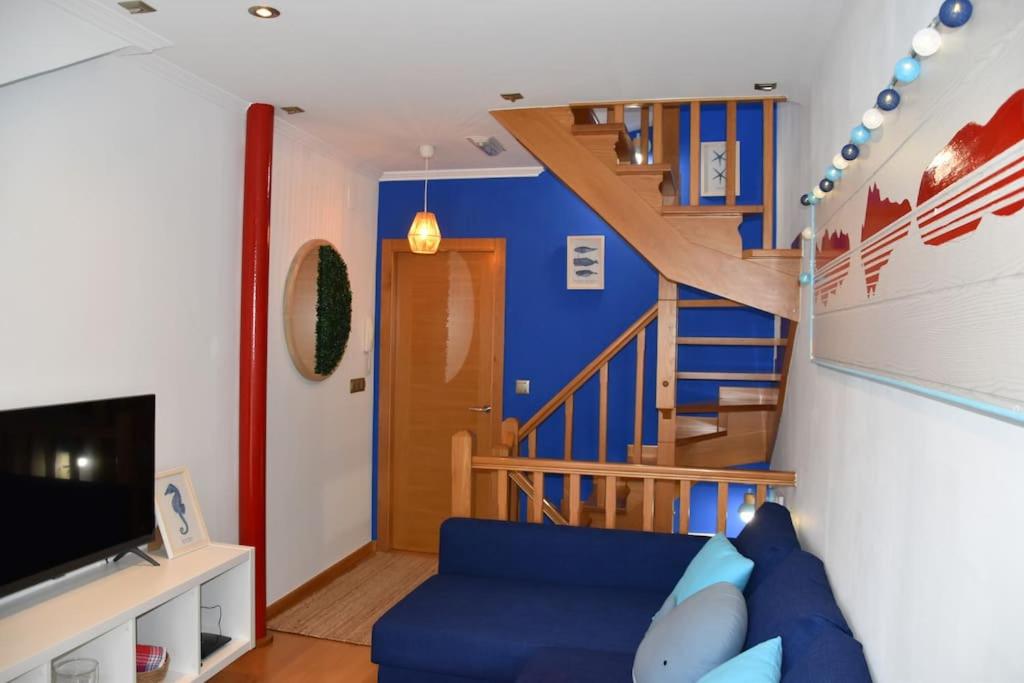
[(320, 580)]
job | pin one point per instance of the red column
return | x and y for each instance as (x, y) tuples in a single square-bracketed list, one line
[(252, 369)]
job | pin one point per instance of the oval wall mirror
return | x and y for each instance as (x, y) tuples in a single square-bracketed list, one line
[(317, 309)]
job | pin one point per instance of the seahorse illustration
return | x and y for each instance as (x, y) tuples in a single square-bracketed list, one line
[(178, 506)]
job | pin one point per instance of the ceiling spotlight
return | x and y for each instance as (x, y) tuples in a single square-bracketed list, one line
[(293, 110), (264, 12), (137, 7), (765, 87), (512, 96)]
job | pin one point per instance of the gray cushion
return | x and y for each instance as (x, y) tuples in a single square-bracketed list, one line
[(702, 632)]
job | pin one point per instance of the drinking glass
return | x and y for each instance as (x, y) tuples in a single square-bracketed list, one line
[(76, 671)]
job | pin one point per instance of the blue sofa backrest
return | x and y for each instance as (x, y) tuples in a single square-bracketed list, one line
[(565, 555)]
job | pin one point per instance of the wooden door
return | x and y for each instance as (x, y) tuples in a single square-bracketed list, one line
[(442, 334)]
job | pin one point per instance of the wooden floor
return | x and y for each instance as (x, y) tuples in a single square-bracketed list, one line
[(299, 658)]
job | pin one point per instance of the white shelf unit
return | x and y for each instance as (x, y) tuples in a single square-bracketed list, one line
[(103, 612)]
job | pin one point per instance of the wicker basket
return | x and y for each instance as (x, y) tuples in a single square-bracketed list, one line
[(156, 675)]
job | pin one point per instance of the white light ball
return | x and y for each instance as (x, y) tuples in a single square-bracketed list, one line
[(927, 42), (839, 162), (807, 233), (872, 118), (818, 192)]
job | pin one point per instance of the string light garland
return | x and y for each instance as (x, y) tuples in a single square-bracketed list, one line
[(925, 43)]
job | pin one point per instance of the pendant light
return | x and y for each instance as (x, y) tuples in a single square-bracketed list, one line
[(424, 233)]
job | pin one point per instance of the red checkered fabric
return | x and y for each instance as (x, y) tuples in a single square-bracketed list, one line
[(149, 658)]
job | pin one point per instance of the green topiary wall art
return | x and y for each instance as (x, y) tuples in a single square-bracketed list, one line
[(333, 310), (317, 310)]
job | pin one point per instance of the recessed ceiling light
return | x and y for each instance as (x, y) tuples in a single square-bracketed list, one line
[(766, 87), (264, 12), (293, 110), (137, 7), (512, 96)]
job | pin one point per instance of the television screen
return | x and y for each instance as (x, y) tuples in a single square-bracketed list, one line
[(76, 485)]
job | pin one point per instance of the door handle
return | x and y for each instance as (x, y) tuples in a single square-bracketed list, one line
[(481, 409)]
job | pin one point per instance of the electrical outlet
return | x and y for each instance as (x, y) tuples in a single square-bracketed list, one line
[(523, 386), (356, 385)]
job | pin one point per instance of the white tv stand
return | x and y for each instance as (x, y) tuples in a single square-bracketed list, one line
[(103, 612)]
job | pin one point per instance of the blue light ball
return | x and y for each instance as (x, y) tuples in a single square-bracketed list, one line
[(826, 185), (955, 13), (812, 200), (833, 173), (850, 152), (805, 201), (805, 278), (888, 99), (860, 135), (908, 69)]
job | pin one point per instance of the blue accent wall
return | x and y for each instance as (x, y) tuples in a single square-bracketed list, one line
[(552, 332)]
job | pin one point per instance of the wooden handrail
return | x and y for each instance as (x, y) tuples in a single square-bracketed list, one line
[(464, 464), (628, 471), (589, 371), (676, 101)]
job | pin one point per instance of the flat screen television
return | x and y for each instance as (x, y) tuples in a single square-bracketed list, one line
[(76, 486)]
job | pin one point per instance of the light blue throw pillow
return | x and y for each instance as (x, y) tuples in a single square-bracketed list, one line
[(717, 561), (760, 664)]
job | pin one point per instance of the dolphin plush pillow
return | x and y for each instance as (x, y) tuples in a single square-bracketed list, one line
[(694, 637)]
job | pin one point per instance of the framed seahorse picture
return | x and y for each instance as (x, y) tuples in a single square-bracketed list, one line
[(178, 514)]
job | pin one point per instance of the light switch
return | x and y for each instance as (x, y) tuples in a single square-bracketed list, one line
[(523, 386)]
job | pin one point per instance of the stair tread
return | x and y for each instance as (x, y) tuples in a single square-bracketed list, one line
[(772, 253), (701, 209), (708, 303), (697, 428), (732, 376), (641, 169), (731, 341), (748, 396), (599, 128)]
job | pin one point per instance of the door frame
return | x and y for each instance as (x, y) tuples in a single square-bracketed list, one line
[(389, 251)]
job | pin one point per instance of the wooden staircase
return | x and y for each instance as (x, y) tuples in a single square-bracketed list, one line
[(634, 185)]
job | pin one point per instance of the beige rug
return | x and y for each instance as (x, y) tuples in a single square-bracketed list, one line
[(347, 608)]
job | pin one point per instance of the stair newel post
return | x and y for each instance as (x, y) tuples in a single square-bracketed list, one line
[(510, 435), (665, 392), (462, 474)]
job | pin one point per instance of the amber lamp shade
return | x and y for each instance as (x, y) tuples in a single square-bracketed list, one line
[(424, 234)]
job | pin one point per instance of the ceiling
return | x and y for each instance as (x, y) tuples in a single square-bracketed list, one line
[(377, 78)]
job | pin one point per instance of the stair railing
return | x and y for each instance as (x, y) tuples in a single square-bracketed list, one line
[(465, 464)]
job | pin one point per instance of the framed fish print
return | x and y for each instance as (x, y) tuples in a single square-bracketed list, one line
[(178, 514), (584, 262)]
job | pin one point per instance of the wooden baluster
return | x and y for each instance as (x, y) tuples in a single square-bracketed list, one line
[(684, 506), (648, 505), (670, 120), (617, 113), (761, 495), (462, 474), (659, 133), (574, 500), (531, 444), (645, 133), (694, 153), (513, 499), (731, 190), (537, 501), (502, 494), (723, 506), (568, 427), (638, 406), (768, 193), (610, 502), (668, 346), (602, 415)]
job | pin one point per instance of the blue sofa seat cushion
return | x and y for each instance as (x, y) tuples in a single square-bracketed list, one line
[(767, 540), (796, 603), (487, 628), (574, 665), (833, 657)]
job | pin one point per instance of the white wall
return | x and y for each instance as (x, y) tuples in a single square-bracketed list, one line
[(912, 504), (318, 434), (120, 215)]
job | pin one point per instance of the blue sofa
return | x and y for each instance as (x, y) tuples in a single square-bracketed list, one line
[(530, 603)]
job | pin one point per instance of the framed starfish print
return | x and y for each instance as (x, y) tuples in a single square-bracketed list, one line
[(178, 514), (714, 168)]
